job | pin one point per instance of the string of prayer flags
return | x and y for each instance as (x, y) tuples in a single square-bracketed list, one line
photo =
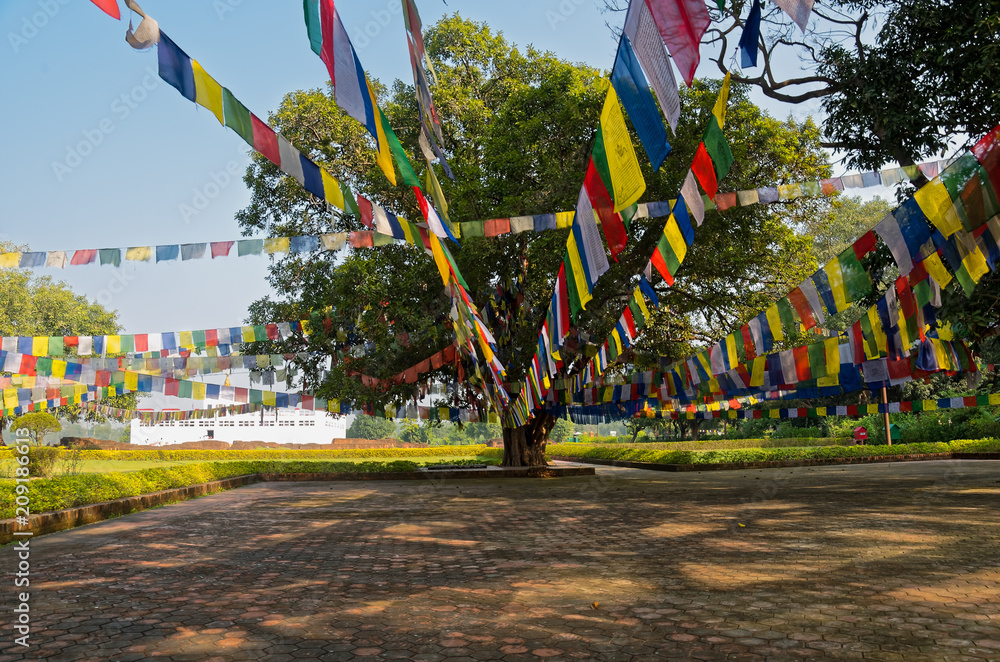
[(419, 57), (751, 36), (640, 28), (633, 91), (681, 24), (351, 88)]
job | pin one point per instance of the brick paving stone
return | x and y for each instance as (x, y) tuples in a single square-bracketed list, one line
[(863, 562)]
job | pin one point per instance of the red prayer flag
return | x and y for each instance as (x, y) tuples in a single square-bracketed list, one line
[(265, 141), (987, 152), (221, 248), (365, 207), (661, 266), (604, 206), (109, 7), (142, 342), (801, 304), (83, 257), (681, 24), (704, 171), (865, 244), (802, 370)]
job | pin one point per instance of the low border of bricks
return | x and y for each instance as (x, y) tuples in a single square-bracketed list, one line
[(70, 518), (780, 464)]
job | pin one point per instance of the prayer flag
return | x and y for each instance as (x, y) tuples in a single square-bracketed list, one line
[(603, 205), (751, 36), (704, 171), (313, 26), (717, 148), (689, 191), (109, 7), (987, 152), (641, 29), (633, 91), (265, 141), (237, 116), (208, 92), (175, 67), (799, 10), (614, 156), (587, 240), (681, 24)]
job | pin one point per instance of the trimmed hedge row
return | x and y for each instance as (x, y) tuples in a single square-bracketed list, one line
[(152, 455), (728, 444), (584, 451), (62, 492)]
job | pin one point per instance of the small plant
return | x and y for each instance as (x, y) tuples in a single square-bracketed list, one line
[(42, 461), (70, 462)]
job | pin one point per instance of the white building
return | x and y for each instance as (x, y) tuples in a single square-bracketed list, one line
[(283, 426)]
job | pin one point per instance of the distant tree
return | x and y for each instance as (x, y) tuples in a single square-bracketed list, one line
[(561, 431), (38, 424), (414, 432), (849, 218), (368, 427)]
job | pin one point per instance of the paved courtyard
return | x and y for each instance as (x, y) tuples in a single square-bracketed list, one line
[(875, 562)]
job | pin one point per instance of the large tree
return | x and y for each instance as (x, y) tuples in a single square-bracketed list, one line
[(518, 129)]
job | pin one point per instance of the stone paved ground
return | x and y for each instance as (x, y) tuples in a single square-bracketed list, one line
[(876, 562)]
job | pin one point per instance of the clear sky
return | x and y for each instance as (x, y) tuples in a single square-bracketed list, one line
[(100, 153)]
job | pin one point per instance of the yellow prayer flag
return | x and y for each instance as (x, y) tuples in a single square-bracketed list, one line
[(676, 239), (618, 341), (640, 300), (757, 374), (930, 405), (10, 260), (276, 245), (198, 390), (384, 158), (576, 271), (835, 276), (564, 219), (995, 398), (186, 339), (934, 200), (773, 413), (872, 409), (139, 254), (59, 369), (248, 335), (627, 182), (208, 92), (832, 347), (131, 381), (720, 104), (331, 190), (937, 270), (439, 259), (40, 346), (821, 411), (113, 344), (774, 322)]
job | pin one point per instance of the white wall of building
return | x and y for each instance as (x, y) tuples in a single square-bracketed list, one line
[(283, 426)]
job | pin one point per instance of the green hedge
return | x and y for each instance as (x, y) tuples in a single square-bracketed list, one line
[(153, 455), (50, 494), (725, 444), (585, 451)]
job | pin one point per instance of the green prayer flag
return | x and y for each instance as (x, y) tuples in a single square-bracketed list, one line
[(237, 116), (198, 338), (787, 317), (857, 283), (111, 256), (718, 148), (128, 344), (313, 26), (56, 346), (817, 360), (249, 247), (403, 161)]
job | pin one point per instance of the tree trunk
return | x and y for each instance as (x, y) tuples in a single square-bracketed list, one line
[(525, 446)]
